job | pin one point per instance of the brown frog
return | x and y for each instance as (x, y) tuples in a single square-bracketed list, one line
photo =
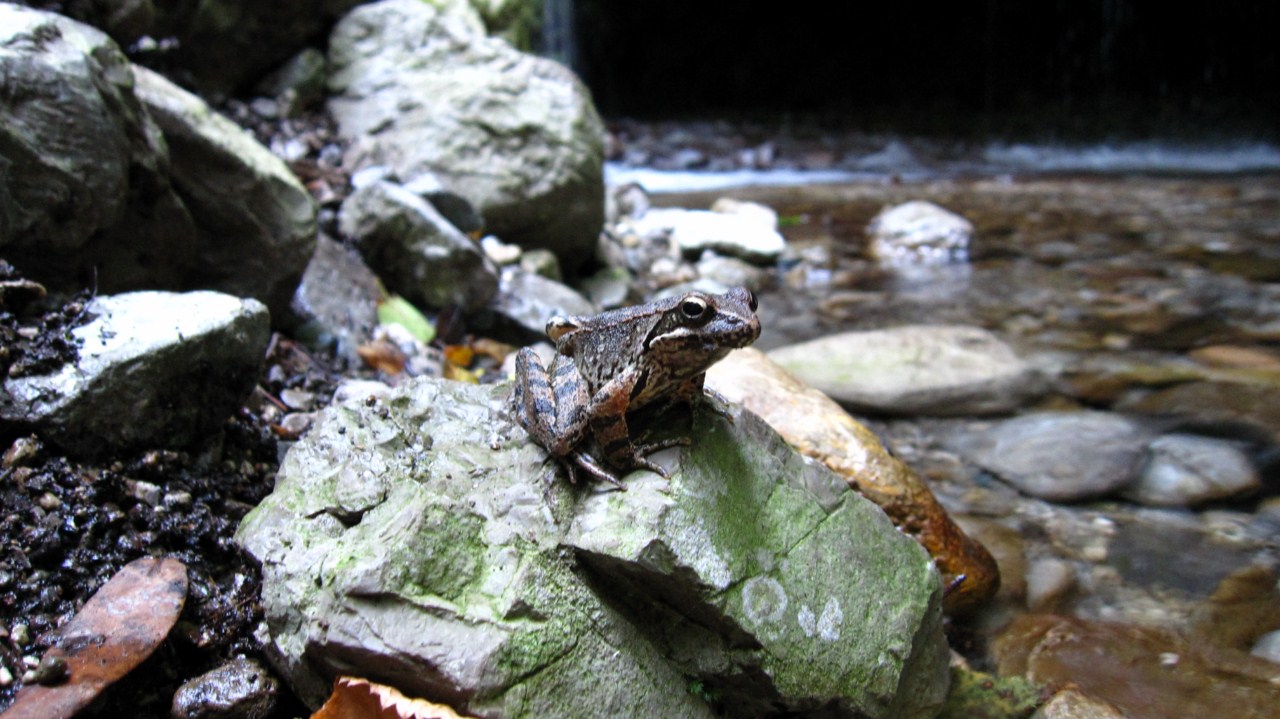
[(616, 362)]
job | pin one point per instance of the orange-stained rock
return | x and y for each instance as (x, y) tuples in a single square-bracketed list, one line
[(1146, 673), (819, 428)]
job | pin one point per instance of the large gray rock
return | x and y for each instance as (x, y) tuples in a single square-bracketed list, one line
[(85, 196), (156, 369), (218, 46), (414, 248), (525, 301), (424, 541), (257, 223), (421, 90), (916, 369)]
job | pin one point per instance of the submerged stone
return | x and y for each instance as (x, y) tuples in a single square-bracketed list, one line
[(424, 541)]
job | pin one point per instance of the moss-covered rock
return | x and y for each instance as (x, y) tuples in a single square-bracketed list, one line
[(424, 541)]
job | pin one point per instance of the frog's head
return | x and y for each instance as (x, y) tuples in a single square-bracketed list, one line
[(700, 328)]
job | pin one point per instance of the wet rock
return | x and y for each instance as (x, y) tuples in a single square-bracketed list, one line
[(337, 299), (731, 271), (1060, 456), (415, 250), (239, 689), (217, 46), (774, 594), (256, 222), (541, 262), (1268, 647), (1243, 608), (1223, 402), (1184, 470), (525, 301), (919, 232), (89, 202), (1146, 673), (818, 428), (420, 89), (1073, 704), (737, 234), (155, 368), (917, 369), (1049, 581), (455, 208), (298, 84)]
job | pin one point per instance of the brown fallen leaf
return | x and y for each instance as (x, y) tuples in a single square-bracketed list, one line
[(119, 627), (355, 698), (382, 356)]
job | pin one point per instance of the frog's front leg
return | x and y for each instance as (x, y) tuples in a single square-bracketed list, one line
[(608, 419)]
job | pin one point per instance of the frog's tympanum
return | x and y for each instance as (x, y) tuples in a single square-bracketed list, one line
[(614, 363)]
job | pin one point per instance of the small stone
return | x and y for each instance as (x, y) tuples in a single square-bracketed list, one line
[(1072, 704), (500, 252), (239, 689), (21, 635), (51, 671), (1183, 470), (541, 262), (295, 424), (1048, 582), (297, 399), (1268, 647), (177, 500), (919, 233), (144, 491), (6, 676), (22, 452), (49, 501)]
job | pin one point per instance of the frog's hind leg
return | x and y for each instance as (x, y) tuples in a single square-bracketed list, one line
[(551, 406)]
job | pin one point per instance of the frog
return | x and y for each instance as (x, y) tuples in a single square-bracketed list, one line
[(608, 366)]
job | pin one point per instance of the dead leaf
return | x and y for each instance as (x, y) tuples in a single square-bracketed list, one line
[(460, 355), (382, 356), (119, 627), (355, 698)]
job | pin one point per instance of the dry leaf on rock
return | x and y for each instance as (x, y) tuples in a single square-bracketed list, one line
[(119, 627), (355, 698)]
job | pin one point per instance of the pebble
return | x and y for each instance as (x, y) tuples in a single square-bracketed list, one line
[(1048, 582), (23, 451), (1184, 470), (919, 232), (1268, 646), (239, 689), (21, 635), (144, 492)]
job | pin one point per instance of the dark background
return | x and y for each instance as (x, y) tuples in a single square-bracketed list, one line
[(1065, 68)]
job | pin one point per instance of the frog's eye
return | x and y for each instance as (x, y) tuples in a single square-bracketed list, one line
[(693, 308)]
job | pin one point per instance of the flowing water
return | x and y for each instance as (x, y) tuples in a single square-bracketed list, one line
[(1152, 295)]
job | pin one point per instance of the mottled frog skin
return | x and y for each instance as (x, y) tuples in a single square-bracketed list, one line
[(611, 364)]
